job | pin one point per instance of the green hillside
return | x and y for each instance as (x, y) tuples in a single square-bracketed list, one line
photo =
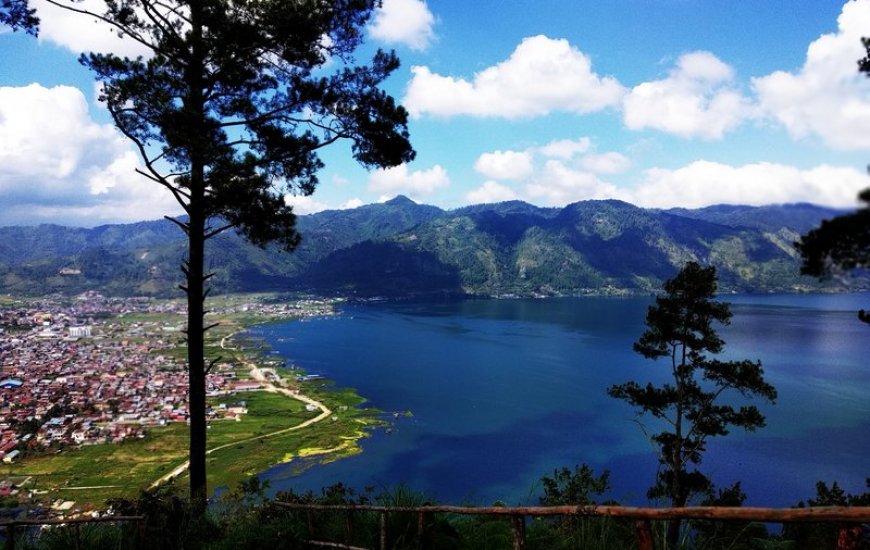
[(401, 248)]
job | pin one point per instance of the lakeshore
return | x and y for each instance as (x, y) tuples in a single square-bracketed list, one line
[(259, 415)]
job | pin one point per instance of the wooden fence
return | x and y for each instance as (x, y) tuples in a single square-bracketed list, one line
[(849, 519), (11, 526)]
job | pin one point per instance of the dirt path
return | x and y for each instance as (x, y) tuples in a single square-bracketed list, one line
[(257, 374)]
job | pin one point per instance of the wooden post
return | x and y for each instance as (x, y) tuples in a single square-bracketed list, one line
[(383, 522), (309, 517), (849, 538), (518, 528), (10, 536), (421, 525), (348, 526), (644, 535), (78, 534), (140, 541)]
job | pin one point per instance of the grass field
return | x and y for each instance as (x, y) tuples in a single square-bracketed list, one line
[(91, 474)]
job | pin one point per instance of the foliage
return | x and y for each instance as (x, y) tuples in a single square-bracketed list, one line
[(18, 15), (228, 111), (680, 329), (727, 535), (841, 243), (579, 487), (824, 535)]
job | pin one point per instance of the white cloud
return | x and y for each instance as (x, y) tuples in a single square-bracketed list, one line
[(350, 204), (605, 163), (83, 33), (505, 165), (340, 180), (399, 180), (697, 99), (559, 185), (305, 204), (827, 97), (703, 183), (406, 22), (541, 76), (59, 166), (490, 192), (565, 148)]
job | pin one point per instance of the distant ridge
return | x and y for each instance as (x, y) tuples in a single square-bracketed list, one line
[(402, 248)]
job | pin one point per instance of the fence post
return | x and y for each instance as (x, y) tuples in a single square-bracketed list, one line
[(421, 526), (141, 531), (849, 538), (518, 528), (383, 522), (10, 536), (309, 517), (348, 526), (644, 535), (77, 527)]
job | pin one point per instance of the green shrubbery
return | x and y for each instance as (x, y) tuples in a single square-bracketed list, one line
[(245, 518)]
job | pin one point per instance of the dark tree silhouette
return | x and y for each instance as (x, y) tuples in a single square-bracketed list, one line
[(690, 408), (228, 113), (18, 15), (839, 244), (842, 243)]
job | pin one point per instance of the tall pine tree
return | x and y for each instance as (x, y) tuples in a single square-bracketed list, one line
[(228, 112), (691, 406)]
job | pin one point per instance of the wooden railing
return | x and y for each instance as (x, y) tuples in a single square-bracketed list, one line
[(10, 527), (849, 519)]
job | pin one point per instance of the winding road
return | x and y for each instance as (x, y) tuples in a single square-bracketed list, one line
[(257, 374)]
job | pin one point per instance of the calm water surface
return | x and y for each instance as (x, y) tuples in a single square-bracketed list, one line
[(504, 391)]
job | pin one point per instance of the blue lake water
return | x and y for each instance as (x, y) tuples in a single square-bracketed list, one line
[(504, 391)]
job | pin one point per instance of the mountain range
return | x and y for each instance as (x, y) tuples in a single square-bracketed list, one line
[(401, 248)]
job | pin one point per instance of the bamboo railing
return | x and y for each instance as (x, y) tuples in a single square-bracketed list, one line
[(849, 535), (10, 526)]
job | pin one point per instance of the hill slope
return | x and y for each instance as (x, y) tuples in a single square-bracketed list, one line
[(401, 248)]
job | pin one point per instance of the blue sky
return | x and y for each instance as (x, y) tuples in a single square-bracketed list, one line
[(660, 103)]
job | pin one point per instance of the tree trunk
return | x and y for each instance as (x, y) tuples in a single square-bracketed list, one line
[(196, 359), (195, 106)]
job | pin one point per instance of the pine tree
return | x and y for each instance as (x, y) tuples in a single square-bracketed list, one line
[(690, 407), (228, 113)]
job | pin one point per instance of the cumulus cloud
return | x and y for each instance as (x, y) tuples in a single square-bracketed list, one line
[(565, 148), (350, 204), (697, 99), (58, 166), (703, 183), (542, 75), (490, 192), (406, 22), (605, 163), (82, 33), (400, 180), (827, 97), (305, 204), (559, 184), (505, 165)]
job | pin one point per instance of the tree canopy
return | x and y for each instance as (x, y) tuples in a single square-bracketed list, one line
[(690, 408), (228, 110), (841, 243), (18, 15)]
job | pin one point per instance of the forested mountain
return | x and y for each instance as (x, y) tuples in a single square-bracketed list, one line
[(403, 248)]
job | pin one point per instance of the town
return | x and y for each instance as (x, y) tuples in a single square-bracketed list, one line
[(75, 372)]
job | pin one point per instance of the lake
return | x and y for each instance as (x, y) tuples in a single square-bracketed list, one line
[(504, 391)]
